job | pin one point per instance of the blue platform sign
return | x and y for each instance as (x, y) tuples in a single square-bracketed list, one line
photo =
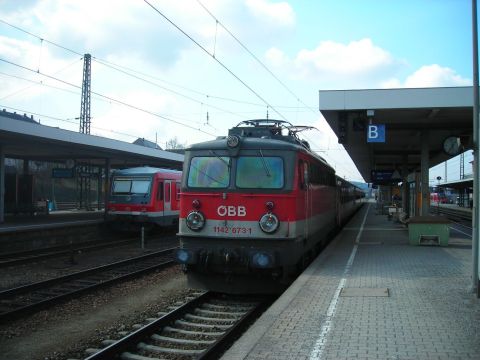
[(376, 133)]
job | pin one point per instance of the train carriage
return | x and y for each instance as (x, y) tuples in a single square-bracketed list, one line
[(144, 196), (255, 207)]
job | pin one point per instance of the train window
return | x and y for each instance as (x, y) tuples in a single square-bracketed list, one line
[(262, 172), (209, 172), (306, 175), (160, 191), (131, 186), (140, 186), (301, 176), (121, 186)]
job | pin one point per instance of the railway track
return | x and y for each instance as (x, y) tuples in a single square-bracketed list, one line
[(19, 301), (31, 256), (199, 329), (453, 214)]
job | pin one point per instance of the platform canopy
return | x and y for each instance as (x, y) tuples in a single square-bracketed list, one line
[(23, 138), (405, 114)]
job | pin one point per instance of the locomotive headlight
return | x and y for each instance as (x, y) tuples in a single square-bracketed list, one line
[(269, 223), (184, 256), (195, 220), (262, 260), (233, 141)]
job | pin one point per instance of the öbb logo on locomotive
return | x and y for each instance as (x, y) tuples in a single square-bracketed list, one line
[(223, 210), (256, 207)]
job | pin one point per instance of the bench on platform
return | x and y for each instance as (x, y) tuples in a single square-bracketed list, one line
[(428, 230)]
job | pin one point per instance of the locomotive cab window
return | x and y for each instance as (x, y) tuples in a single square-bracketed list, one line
[(265, 172), (209, 172)]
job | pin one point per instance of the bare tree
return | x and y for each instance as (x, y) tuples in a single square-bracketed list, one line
[(174, 144)]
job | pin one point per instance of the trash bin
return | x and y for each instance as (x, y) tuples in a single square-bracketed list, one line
[(428, 230)]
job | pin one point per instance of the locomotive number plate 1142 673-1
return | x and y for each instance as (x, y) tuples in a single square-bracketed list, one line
[(232, 230)]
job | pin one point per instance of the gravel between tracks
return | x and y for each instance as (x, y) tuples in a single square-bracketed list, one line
[(65, 331), (64, 265)]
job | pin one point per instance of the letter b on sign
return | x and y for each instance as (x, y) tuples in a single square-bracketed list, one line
[(376, 133)]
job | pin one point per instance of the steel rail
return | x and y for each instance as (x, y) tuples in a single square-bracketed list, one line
[(17, 301), (136, 341), (29, 256), (451, 213)]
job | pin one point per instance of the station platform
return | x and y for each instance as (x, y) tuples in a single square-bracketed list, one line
[(25, 232), (55, 219), (371, 295)]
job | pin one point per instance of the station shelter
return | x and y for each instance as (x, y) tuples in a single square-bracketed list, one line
[(81, 157), (394, 136)]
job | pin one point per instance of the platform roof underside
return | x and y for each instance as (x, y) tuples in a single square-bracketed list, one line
[(406, 113), (32, 141)]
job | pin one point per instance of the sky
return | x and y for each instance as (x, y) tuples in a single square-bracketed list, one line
[(191, 69)]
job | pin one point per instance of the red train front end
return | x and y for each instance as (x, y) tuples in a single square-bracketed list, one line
[(144, 196), (248, 222)]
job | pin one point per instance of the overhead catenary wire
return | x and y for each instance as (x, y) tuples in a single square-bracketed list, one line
[(40, 38), (162, 87), (109, 98), (218, 22), (118, 67), (33, 83), (216, 59), (36, 82), (253, 55), (71, 121)]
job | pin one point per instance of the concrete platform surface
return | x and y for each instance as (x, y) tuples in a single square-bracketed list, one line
[(371, 295), (62, 218)]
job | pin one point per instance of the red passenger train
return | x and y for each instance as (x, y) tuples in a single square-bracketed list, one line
[(144, 196), (256, 207)]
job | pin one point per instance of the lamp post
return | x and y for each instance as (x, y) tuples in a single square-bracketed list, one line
[(476, 167)]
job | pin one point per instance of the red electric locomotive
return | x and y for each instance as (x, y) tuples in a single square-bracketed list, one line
[(144, 196), (256, 207)]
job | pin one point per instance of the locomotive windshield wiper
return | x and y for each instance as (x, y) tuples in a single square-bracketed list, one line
[(220, 158), (265, 165), (208, 176)]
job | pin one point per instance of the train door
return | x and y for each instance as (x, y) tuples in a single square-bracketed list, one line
[(177, 196), (159, 200), (167, 196)]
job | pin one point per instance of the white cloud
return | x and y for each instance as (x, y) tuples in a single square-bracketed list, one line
[(100, 26), (35, 56), (435, 75), (24, 55), (276, 57), (354, 58), (391, 83), (358, 63), (428, 76), (280, 13)]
